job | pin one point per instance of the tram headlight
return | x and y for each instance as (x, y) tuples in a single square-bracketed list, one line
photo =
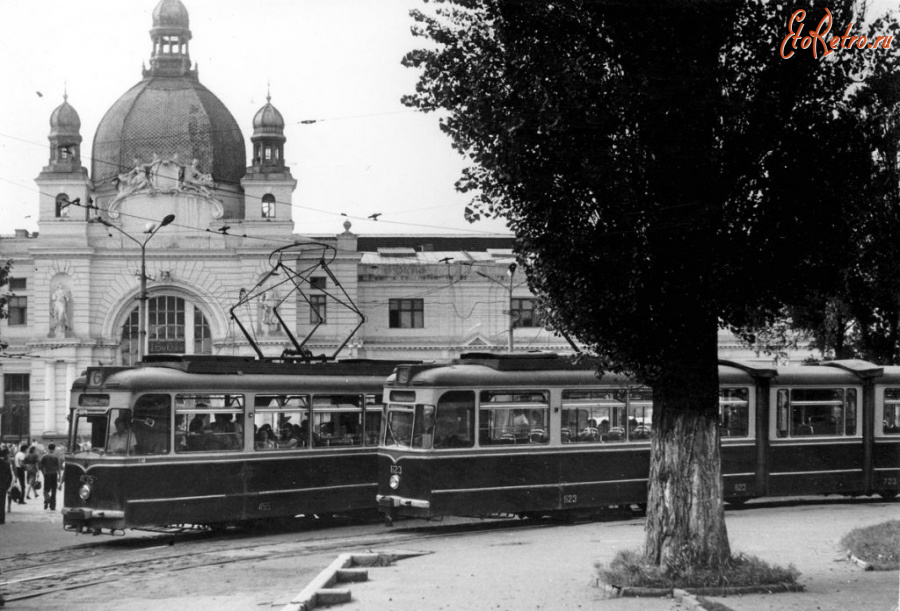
[(85, 491), (394, 482)]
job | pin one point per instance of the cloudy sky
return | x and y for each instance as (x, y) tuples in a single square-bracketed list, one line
[(335, 61)]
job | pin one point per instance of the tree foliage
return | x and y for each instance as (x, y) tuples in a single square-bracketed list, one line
[(666, 172)]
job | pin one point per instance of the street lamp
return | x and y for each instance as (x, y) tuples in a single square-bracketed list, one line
[(510, 271), (152, 228)]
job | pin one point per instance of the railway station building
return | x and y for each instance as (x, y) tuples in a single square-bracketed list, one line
[(175, 206)]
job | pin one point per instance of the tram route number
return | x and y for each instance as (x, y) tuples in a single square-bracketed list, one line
[(265, 507), (396, 470), (570, 499)]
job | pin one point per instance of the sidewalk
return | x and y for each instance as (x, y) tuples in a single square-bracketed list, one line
[(551, 569)]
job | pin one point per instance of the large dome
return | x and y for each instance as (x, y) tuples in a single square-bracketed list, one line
[(165, 115), (169, 113)]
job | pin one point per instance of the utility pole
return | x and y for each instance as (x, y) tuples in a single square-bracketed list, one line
[(510, 271), (152, 228)]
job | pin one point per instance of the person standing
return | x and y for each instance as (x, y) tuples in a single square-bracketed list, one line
[(7, 477), (31, 472), (50, 467), (19, 464)]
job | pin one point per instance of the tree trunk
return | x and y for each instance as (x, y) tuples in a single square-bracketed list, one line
[(685, 511)]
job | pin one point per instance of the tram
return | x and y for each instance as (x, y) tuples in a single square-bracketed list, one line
[(206, 440), (535, 435)]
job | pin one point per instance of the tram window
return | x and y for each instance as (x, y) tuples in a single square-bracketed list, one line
[(511, 417), (454, 425), (89, 431), (374, 410), (593, 416), (93, 400), (398, 427), (150, 424), (209, 422), (891, 416), (734, 412), (640, 414), (280, 422), (816, 412), (337, 420), (119, 439)]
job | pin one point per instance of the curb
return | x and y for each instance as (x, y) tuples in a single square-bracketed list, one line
[(693, 599), (344, 569)]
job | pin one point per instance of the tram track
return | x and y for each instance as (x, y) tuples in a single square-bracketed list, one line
[(66, 569)]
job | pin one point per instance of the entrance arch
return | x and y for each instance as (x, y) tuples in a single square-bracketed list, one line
[(174, 325)]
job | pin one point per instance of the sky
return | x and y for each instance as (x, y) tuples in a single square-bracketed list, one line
[(333, 61)]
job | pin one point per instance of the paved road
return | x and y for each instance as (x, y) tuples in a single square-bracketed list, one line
[(545, 568)]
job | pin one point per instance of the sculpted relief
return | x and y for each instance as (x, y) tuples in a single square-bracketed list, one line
[(165, 176)]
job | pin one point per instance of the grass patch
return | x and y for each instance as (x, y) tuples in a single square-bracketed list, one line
[(628, 570), (879, 545)]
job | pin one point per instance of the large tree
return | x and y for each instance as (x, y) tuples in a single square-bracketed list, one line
[(666, 172)]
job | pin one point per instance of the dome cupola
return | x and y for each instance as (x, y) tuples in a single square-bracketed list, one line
[(171, 34), (268, 138), (65, 138)]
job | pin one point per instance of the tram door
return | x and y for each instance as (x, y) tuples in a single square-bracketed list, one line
[(817, 445)]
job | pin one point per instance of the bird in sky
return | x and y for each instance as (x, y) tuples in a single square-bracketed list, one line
[(375, 216), (39, 94)]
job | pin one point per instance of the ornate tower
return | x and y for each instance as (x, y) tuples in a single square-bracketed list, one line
[(171, 35), (64, 180), (268, 183)]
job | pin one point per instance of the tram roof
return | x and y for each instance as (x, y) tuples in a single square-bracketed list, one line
[(245, 374), (541, 369)]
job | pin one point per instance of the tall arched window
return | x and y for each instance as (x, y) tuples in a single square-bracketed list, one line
[(166, 329), (62, 205), (268, 206)]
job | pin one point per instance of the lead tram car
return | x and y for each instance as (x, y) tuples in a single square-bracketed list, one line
[(199, 440), (535, 435)]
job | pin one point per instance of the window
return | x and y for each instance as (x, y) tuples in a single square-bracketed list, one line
[(317, 282), (522, 313), (209, 422), (62, 205), (16, 400), (606, 415), (891, 421), (318, 313), (337, 420), (454, 425), (734, 412), (18, 311), (374, 409), (267, 154), (511, 417), (166, 331), (281, 422), (150, 424), (406, 314), (802, 412), (268, 206), (202, 335)]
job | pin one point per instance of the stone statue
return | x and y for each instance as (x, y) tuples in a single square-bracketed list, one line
[(59, 311), (195, 180)]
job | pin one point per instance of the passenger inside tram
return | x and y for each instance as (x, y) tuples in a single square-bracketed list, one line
[(118, 441)]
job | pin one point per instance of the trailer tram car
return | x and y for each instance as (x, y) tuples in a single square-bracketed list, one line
[(197, 440), (534, 435)]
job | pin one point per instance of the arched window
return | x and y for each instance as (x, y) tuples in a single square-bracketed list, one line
[(62, 206), (166, 329), (268, 206)]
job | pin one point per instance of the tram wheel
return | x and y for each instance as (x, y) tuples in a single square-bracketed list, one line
[(888, 495), (736, 501)]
